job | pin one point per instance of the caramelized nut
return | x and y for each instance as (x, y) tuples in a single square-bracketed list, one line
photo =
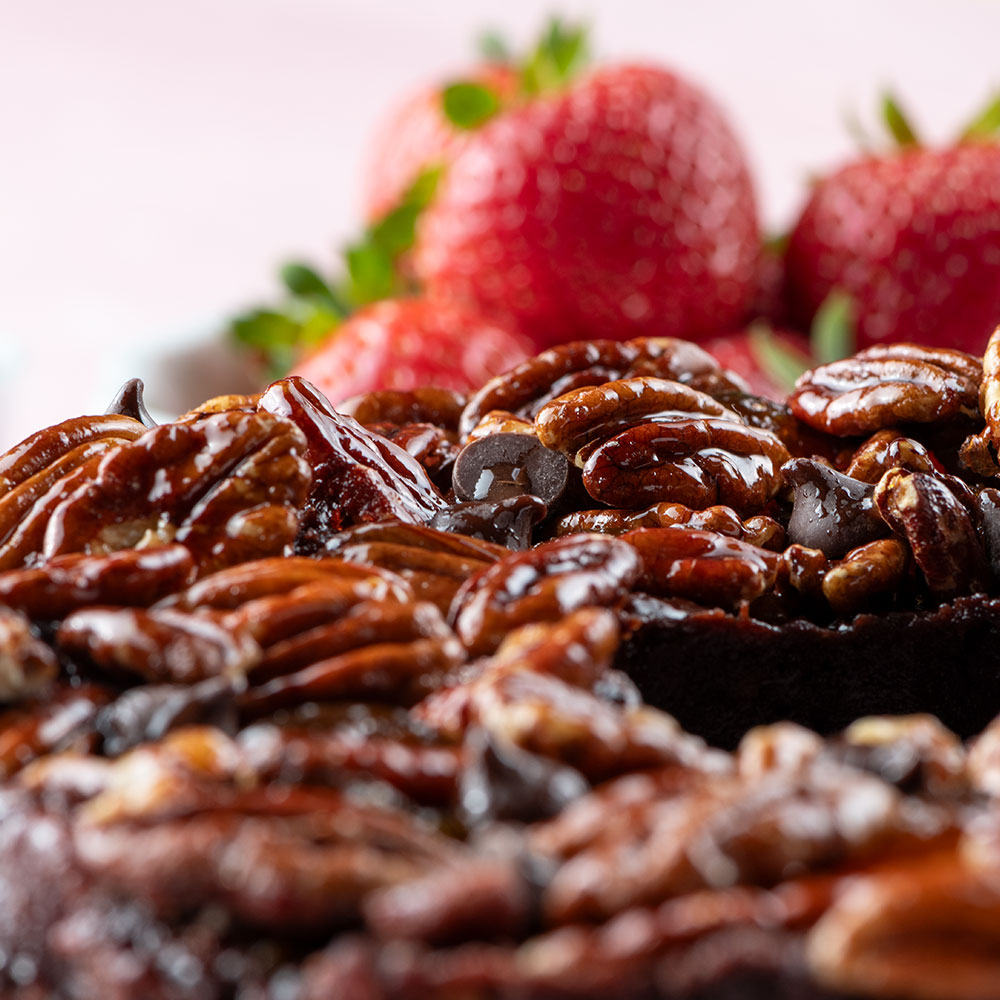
[(989, 390), (865, 572), (937, 528), (886, 450), (701, 566), (804, 569), (27, 665), (427, 405), (884, 386), (543, 584)]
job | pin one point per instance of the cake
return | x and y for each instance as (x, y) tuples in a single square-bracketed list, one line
[(610, 680)]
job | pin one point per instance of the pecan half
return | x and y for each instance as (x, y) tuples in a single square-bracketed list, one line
[(938, 529), (701, 566), (163, 645), (226, 486), (531, 384), (132, 577), (875, 568), (543, 584), (885, 450), (431, 405), (989, 390), (434, 563), (925, 929), (358, 476), (27, 665), (37, 474), (884, 386), (803, 569)]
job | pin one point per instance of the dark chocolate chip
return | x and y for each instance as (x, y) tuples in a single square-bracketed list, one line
[(832, 512), (500, 466), (505, 522), (128, 402), (504, 782)]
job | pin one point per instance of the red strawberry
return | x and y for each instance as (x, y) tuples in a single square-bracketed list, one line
[(418, 134), (914, 237), (767, 360), (620, 208), (405, 343)]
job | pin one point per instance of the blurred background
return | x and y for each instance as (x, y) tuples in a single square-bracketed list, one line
[(157, 161)]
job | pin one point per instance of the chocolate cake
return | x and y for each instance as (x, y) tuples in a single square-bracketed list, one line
[(431, 697)]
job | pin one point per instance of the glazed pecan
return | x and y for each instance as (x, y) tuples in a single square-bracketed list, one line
[(989, 390), (542, 584), (434, 563), (885, 450), (803, 569), (390, 652), (245, 403), (927, 928), (701, 566), (226, 486), (500, 422), (136, 577), (236, 586), (441, 407), (646, 440), (865, 572), (884, 386), (37, 474), (937, 528), (357, 476), (434, 448), (159, 646), (528, 386), (27, 665)]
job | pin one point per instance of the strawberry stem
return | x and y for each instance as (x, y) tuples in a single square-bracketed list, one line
[(897, 122)]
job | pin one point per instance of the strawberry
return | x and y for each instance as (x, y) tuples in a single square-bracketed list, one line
[(406, 343), (913, 236), (622, 207), (419, 133)]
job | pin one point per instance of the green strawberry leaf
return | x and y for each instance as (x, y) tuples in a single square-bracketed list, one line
[(278, 338), (469, 105), (897, 122), (304, 282), (832, 334), (779, 361), (371, 273), (494, 48), (986, 124), (560, 55)]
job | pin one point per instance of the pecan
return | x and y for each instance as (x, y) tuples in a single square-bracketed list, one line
[(526, 387), (803, 569), (937, 528), (782, 746), (926, 929), (831, 511), (885, 450), (983, 762), (63, 718), (226, 486), (27, 665), (230, 588), (222, 404), (434, 563), (500, 422), (37, 474), (913, 752), (701, 566), (163, 645), (433, 447), (131, 577), (357, 476), (430, 405), (543, 584), (392, 652), (989, 390), (874, 568), (764, 532), (884, 386)]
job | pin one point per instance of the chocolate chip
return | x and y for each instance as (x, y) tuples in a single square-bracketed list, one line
[(832, 512), (505, 522), (500, 466), (128, 402)]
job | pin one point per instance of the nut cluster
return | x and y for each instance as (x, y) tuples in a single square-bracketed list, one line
[(308, 703)]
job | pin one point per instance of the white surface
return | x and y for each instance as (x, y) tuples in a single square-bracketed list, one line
[(158, 160)]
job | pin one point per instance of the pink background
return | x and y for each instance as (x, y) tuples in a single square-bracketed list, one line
[(157, 160)]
